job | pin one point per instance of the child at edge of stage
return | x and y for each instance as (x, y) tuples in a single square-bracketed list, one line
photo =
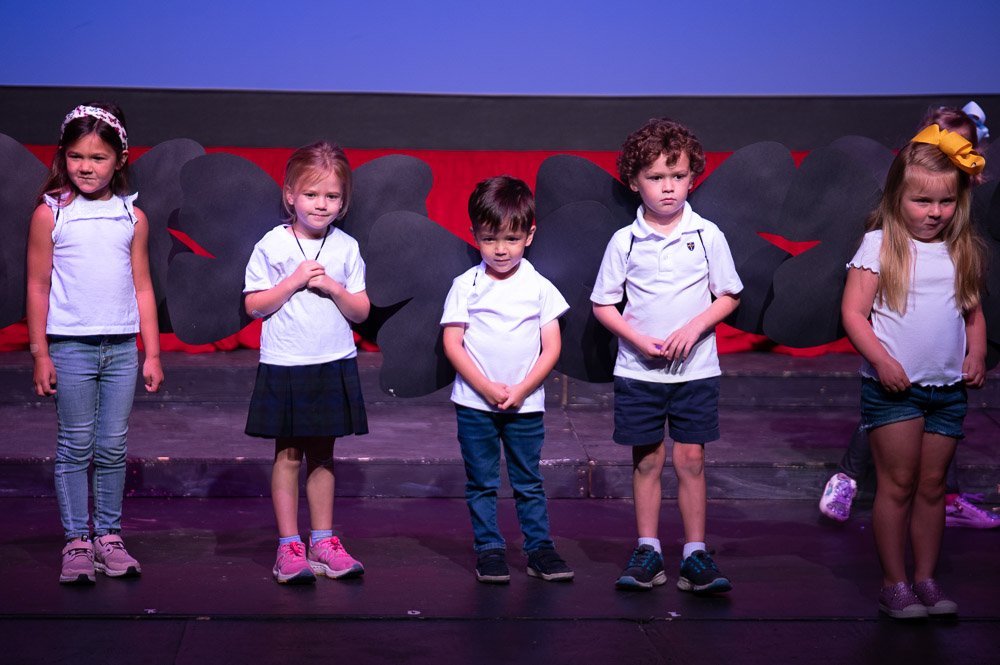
[(912, 309), (501, 333), (677, 274), (89, 293), (840, 490), (306, 279)]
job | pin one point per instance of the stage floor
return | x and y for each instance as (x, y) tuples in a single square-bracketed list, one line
[(805, 591)]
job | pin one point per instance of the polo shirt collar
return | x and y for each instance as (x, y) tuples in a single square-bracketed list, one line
[(641, 230)]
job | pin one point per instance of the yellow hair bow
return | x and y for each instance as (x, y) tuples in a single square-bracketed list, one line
[(955, 146)]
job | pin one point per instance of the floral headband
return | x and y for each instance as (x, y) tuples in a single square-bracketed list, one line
[(954, 146), (100, 114)]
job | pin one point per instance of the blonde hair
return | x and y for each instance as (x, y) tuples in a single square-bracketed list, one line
[(965, 247), (312, 162)]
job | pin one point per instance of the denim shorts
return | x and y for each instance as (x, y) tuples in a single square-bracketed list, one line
[(642, 408), (943, 408)]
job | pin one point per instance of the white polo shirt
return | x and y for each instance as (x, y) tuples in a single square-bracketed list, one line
[(503, 321), (667, 282), (929, 339)]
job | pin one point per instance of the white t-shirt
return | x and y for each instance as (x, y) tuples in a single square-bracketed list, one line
[(667, 281), (308, 329), (92, 290), (503, 321), (929, 339)]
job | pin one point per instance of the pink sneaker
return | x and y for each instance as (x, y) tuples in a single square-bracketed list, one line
[(934, 599), (112, 559), (291, 566), (78, 563), (962, 512), (328, 557), (838, 495)]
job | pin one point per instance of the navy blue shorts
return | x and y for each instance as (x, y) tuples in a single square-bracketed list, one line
[(943, 408), (643, 408), (307, 400)]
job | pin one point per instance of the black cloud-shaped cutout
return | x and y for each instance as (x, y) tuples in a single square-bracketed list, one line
[(21, 177), (157, 178)]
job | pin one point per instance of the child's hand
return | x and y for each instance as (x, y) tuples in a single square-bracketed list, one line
[(892, 376), (974, 371), (496, 393), (152, 374), (650, 347), (517, 394), (306, 271), (325, 284), (679, 343), (44, 376)]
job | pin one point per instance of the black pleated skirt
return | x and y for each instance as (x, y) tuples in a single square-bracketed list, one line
[(307, 400)]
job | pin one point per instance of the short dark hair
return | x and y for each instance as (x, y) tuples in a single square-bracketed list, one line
[(499, 201), (659, 136)]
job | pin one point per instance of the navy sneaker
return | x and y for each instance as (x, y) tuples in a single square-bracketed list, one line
[(700, 575), (546, 564), (644, 570), (491, 567)]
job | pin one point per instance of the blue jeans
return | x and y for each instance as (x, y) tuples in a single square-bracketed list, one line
[(95, 385), (481, 434)]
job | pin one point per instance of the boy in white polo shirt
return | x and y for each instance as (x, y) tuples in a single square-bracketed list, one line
[(676, 273), (501, 332)]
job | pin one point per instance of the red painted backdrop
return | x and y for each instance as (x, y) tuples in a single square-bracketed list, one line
[(456, 172)]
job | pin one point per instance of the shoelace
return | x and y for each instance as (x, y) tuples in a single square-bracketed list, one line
[(641, 558), (704, 562), (298, 549), (79, 551)]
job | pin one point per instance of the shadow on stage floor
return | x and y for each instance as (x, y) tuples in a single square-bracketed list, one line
[(804, 591)]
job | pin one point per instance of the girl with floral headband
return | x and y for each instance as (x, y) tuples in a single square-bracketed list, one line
[(89, 293), (912, 308)]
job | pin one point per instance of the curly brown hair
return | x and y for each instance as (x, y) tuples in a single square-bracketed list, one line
[(656, 137)]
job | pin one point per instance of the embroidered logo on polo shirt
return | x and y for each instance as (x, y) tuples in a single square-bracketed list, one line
[(690, 246)]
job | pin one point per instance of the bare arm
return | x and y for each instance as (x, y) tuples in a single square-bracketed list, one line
[(611, 318), (680, 342), (855, 308), (39, 280), (454, 349), (974, 365), (149, 327), (354, 306), (259, 304), (551, 347)]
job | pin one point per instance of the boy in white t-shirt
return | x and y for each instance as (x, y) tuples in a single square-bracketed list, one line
[(501, 332), (676, 273)]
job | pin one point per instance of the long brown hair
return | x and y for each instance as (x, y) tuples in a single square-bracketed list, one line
[(965, 247)]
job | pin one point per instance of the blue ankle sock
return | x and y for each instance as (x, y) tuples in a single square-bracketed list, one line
[(289, 539), (316, 536)]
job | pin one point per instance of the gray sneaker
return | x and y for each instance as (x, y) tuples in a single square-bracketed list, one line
[(77, 562), (112, 559)]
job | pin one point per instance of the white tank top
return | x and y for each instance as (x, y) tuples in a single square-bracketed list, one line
[(92, 291)]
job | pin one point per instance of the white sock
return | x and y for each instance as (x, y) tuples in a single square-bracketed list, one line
[(652, 542), (691, 548)]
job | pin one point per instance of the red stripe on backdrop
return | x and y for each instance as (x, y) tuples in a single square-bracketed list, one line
[(455, 173)]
